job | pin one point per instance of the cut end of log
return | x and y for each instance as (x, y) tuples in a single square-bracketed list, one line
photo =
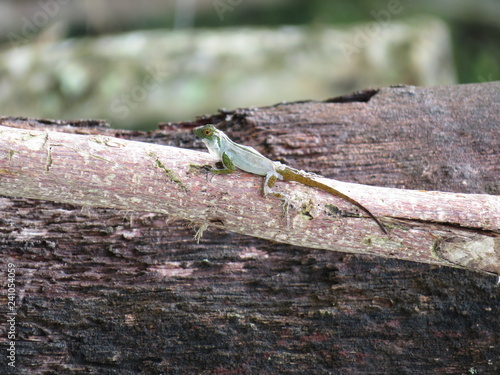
[(481, 254)]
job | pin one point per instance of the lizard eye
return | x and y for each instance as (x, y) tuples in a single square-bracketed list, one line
[(208, 132)]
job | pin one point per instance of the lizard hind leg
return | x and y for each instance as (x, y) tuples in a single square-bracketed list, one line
[(269, 182)]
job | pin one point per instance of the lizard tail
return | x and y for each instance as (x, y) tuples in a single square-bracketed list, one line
[(352, 201), (313, 183)]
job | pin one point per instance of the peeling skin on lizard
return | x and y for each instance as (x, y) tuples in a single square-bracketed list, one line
[(234, 155)]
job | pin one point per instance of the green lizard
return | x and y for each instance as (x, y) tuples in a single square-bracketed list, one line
[(234, 155)]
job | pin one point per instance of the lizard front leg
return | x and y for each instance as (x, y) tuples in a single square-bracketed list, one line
[(228, 166)]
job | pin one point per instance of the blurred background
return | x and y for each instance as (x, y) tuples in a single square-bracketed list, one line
[(137, 63)]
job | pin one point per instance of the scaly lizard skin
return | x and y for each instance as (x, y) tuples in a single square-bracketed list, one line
[(234, 155)]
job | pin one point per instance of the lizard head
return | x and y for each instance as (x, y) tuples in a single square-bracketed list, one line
[(211, 137), (208, 132)]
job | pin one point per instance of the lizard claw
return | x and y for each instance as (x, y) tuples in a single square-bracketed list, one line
[(286, 205)]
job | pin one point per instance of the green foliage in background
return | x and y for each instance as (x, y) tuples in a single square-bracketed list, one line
[(476, 43)]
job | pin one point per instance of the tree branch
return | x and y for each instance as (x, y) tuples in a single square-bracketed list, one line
[(103, 171)]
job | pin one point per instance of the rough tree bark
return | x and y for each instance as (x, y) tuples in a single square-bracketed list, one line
[(107, 291)]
